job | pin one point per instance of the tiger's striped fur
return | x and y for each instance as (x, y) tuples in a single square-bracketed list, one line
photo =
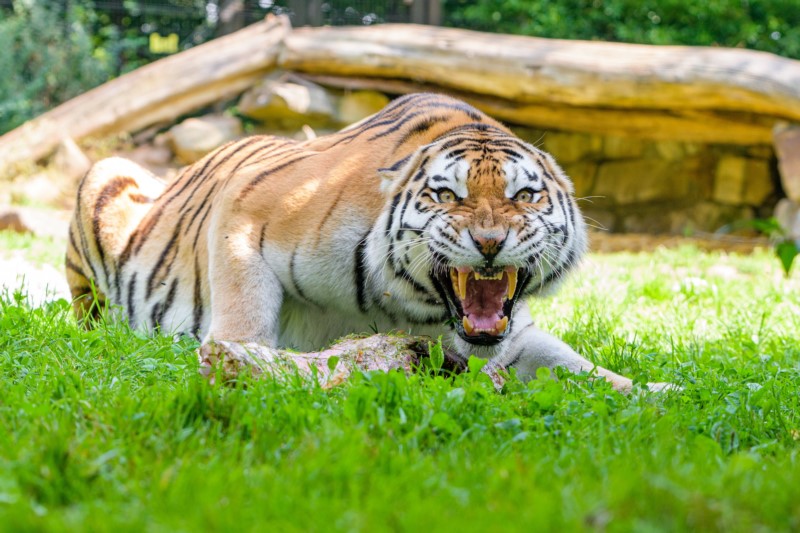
[(295, 244)]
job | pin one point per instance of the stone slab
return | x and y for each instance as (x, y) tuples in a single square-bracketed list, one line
[(786, 140)]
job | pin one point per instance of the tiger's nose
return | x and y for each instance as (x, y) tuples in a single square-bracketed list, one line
[(489, 242)]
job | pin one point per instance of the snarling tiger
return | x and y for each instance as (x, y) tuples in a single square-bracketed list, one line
[(428, 216)]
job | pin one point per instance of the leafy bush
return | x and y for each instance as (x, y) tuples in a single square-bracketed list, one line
[(48, 57), (768, 25)]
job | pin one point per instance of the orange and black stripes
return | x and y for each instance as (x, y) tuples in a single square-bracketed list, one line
[(296, 201)]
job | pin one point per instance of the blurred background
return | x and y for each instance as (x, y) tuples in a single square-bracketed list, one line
[(57, 49)]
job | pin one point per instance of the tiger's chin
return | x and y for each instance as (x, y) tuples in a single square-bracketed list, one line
[(480, 301)]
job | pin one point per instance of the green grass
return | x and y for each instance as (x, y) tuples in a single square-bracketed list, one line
[(114, 430)]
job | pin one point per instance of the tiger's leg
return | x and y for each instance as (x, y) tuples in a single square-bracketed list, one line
[(246, 298), (246, 294), (530, 348), (112, 199)]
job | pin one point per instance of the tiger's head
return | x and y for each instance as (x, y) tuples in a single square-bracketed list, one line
[(484, 219)]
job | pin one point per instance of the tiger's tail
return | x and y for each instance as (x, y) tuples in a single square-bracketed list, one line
[(112, 200)]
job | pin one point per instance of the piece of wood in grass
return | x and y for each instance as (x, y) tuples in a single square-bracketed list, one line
[(228, 360)]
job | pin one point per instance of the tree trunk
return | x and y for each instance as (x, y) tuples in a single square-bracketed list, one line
[(676, 92)]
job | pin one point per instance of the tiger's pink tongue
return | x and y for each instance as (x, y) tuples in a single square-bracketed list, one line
[(484, 302)]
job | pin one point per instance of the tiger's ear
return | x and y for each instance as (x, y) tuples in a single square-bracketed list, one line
[(393, 175)]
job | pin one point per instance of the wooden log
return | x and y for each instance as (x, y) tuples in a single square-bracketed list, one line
[(751, 90), (684, 125), (160, 91), (229, 360)]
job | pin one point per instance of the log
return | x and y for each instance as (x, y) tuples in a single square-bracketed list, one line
[(682, 125), (551, 82), (158, 92), (679, 93), (230, 360)]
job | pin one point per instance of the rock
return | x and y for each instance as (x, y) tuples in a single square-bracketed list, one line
[(654, 221), (155, 157), (571, 147), (41, 189), (742, 181), (151, 155), (646, 180), (582, 175), (703, 216), (598, 220), (787, 147), (622, 147), (356, 105), (671, 150), (11, 221), (787, 213), (530, 135), (729, 179), (707, 216), (758, 186), (282, 98), (195, 137), (761, 151), (38, 221), (70, 161)]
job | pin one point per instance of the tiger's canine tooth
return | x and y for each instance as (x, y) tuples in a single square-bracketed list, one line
[(512, 283), (462, 284), (468, 327), (501, 325)]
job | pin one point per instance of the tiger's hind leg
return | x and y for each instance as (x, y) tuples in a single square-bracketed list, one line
[(112, 199)]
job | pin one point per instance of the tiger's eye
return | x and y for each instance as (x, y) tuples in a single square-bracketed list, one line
[(523, 196), (446, 196)]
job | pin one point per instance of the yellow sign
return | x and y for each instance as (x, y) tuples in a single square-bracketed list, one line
[(163, 44)]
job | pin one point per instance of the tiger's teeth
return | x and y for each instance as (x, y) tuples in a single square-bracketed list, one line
[(468, 327), (512, 283), (501, 325), (462, 284)]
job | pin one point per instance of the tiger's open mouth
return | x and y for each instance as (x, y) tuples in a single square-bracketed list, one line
[(481, 302)]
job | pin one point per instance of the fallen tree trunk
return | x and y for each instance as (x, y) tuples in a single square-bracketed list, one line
[(158, 92), (678, 92), (684, 125), (698, 94)]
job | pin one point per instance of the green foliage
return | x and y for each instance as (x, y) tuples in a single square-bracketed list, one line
[(787, 247), (436, 355), (114, 429), (768, 25), (48, 57)]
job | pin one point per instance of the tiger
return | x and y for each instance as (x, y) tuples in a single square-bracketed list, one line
[(428, 217)]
